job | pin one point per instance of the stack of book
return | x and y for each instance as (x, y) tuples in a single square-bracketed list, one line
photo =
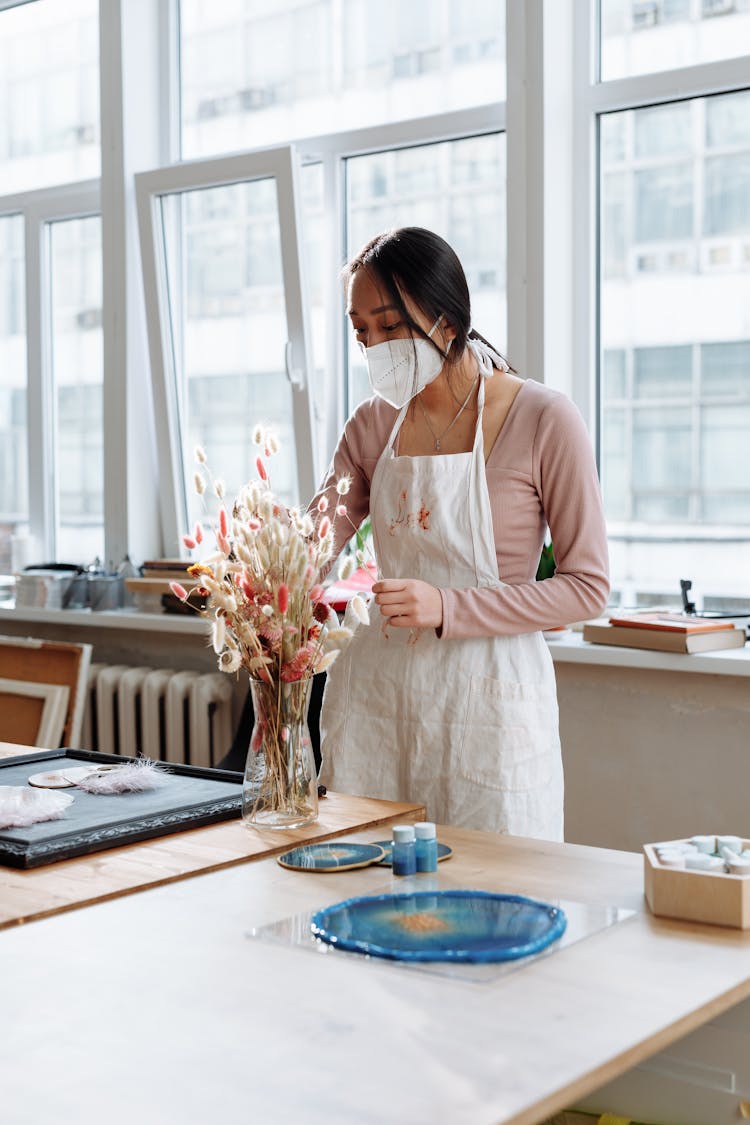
[(169, 569), (152, 593), (666, 632)]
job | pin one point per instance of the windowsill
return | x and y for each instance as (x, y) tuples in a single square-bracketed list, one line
[(570, 650), (574, 650), (107, 619)]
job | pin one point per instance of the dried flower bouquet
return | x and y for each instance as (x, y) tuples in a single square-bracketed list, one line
[(265, 600)]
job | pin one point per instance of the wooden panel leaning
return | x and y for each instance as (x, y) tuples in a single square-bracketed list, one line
[(50, 662)]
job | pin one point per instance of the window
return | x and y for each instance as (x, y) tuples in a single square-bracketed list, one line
[(49, 82), (456, 189), (674, 275), (646, 36), (348, 118), (245, 313), (76, 368), (51, 432), (223, 265), (259, 74)]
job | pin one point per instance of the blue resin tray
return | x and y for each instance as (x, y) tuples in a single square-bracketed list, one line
[(457, 926), (339, 855)]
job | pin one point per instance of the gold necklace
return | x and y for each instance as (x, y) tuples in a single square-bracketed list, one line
[(437, 438)]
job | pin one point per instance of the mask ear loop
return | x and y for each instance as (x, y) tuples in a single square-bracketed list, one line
[(429, 337)]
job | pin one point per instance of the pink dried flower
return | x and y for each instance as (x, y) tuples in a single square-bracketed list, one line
[(223, 522), (316, 593), (223, 542), (198, 533), (282, 598), (189, 542), (178, 590), (323, 504), (299, 665), (261, 468), (254, 524), (341, 510), (324, 527)]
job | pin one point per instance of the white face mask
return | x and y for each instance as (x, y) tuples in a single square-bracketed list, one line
[(400, 369)]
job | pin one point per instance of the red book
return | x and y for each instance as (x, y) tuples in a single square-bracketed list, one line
[(672, 623)]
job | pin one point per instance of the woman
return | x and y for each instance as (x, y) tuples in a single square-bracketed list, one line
[(448, 697)]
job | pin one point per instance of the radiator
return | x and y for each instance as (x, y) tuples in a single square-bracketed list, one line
[(159, 713)]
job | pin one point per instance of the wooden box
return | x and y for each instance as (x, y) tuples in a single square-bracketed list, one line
[(696, 896)]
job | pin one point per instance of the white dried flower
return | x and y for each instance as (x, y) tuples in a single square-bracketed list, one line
[(218, 633), (267, 611), (272, 443), (343, 484), (326, 660), (258, 435), (219, 488), (230, 660), (200, 455), (346, 568), (338, 638), (359, 609), (360, 557), (199, 484)]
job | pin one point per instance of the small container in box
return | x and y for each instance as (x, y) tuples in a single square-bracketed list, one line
[(695, 896)]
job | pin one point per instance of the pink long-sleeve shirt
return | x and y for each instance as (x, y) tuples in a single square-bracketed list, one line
[(540, 471)]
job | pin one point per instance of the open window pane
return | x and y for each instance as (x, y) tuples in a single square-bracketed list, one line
[(646, 36), (675, 289), (227, 315), (76, 357), (255, 74), (457, 189), (14, 499), (49, 91)]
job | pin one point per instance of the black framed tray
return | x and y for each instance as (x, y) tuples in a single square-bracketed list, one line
[(192, 797)]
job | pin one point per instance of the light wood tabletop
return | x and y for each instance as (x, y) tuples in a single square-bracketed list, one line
[(222, 1025), (68, 884)]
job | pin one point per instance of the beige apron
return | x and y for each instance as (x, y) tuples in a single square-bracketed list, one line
[(467, 727)]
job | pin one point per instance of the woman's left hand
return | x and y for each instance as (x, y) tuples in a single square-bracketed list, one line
[(409, 603)]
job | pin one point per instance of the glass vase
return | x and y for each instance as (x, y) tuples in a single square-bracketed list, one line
[(280, 789)]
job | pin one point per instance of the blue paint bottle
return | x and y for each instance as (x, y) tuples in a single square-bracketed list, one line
[(404, 850), (426, 846)]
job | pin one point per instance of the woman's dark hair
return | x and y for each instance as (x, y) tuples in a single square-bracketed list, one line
[(419, 264)]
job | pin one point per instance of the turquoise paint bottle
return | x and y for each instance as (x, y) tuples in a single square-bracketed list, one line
[(404, 850), (426, 846)]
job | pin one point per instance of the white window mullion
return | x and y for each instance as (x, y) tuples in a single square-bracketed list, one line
[(40, 399), (132, 43), (299, 365), (584, 262), (669, 86), (329, 399)]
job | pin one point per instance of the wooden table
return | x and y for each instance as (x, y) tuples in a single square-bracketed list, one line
[(68, 884), (228, 1028)]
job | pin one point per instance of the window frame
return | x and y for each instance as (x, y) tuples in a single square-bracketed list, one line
[(279, 164)]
